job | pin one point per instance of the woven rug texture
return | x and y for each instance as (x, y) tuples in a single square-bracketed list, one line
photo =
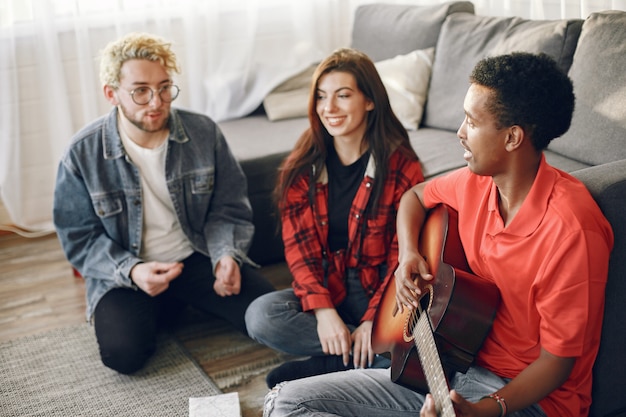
[(227, 356), (59, 373)]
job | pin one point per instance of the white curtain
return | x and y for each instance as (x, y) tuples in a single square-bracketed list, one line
[(232, 53), (529, 9)]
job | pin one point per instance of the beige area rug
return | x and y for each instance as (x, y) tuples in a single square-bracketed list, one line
[(236, 363), (59, 373), (227, 356)]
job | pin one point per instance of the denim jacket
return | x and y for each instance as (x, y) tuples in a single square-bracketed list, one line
[(98, 199)]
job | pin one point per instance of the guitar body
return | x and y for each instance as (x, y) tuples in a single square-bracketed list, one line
[(461, 307)]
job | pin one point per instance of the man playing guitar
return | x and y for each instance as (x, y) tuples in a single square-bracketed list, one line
[(531, 229)]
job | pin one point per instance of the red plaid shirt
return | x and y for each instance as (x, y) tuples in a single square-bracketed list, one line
[(305, 235)]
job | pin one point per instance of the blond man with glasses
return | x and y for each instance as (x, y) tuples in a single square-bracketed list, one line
[(141, 215)]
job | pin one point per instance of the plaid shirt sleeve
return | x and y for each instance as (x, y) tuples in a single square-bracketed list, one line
[(303, 247)]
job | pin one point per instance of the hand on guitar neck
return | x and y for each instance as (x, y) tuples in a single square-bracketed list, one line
[(428, 408)]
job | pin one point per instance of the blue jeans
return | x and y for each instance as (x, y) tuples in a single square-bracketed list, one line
[(371, 393), (277, 320)]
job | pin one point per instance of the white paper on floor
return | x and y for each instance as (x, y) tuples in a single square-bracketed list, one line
[(222, 405)]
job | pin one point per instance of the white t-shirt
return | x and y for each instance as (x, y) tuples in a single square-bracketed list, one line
[(163, 239)]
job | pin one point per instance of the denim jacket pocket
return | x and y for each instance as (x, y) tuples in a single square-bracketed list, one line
[(112, 211), (107, 206), (197, 194), (203, 183)]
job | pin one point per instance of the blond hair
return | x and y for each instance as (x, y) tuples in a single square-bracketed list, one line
[(134, 46)]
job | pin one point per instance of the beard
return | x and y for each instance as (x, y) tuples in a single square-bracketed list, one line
[(141, 125)]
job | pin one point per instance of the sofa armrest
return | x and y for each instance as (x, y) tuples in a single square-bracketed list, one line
[(607, 184)]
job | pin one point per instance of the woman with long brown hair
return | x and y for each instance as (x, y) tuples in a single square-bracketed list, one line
[(338, 193)]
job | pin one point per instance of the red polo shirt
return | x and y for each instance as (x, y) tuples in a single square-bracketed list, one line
[(550, 265)]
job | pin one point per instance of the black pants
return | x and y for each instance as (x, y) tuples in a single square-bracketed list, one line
[(126, 320)]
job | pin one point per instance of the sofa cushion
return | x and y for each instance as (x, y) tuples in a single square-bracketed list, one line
[(383, 31), (564, 163), (406, 79), (439, 151), (291, 98), (255, 136), (465, 39), (556, 38), (598, 131)]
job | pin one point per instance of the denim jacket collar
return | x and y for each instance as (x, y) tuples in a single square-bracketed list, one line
[(112, 143)]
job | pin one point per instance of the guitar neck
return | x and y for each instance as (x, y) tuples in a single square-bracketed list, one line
[(431, 364)]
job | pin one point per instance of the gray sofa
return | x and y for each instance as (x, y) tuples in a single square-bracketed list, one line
[(592, 51)]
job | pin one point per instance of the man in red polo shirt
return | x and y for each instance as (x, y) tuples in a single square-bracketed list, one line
[(530, 228)]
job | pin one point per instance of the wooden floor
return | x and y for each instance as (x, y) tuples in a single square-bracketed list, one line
[(38, 292)]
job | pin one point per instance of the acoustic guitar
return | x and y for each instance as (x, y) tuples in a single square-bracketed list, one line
[(456, 311)]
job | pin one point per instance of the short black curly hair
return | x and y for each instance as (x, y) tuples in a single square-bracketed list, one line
[(529, 90)]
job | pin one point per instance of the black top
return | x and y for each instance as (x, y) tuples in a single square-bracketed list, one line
[(343, 182)]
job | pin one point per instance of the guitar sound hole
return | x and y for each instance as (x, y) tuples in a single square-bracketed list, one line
[(411, 320), (425, 302)]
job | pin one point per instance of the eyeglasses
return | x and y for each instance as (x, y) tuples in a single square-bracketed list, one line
[(143, 95)]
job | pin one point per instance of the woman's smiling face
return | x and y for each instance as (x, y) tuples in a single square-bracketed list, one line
[(341, 106)]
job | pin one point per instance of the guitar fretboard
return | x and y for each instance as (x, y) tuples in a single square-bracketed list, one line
[(431, 364)]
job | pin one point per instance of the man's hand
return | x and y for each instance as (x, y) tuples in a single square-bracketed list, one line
[(155, 277), (428, 408), (462, 407), (362, 351), (411, 270), (537, 380), (227, 277), (333, 333)]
